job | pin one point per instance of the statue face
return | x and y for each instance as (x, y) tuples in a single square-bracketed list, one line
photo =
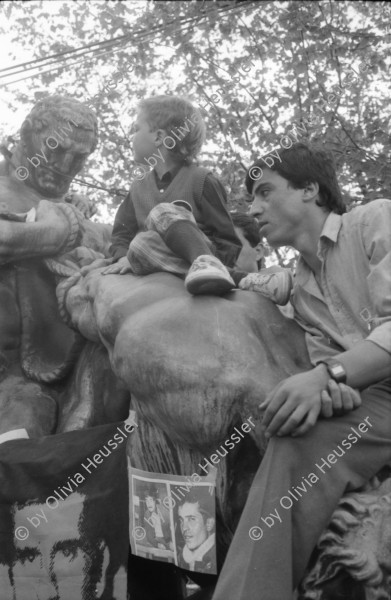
[(54, 156)]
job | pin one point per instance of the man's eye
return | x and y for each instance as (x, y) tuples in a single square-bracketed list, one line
[(31, 557), (27, 555), (69, 553)]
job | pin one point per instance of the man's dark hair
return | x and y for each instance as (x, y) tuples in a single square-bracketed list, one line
[(302, 164), (151, 492), (203, 498), (249, 227)]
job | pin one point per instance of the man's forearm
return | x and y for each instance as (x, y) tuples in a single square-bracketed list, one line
[(365, 364), (21, 240)]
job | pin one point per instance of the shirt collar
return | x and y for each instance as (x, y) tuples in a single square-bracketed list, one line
[(331, 227), (330, 231), (169, 175)]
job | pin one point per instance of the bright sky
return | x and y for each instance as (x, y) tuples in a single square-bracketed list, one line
[(13, 53), (12, 113)]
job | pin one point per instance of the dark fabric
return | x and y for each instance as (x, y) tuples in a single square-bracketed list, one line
[(186, 241), (204, 193), (151, 580), (237, 275), (276, 562), (207, 563), (64, 516)]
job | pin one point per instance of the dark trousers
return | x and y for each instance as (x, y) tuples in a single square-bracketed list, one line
[(270, 567)]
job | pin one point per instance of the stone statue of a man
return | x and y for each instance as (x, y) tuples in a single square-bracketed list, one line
[(37, 349)]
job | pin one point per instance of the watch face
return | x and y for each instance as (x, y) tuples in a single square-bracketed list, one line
[(337, 372)]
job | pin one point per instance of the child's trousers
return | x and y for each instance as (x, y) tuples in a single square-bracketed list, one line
[(270, 566), (148, 252)]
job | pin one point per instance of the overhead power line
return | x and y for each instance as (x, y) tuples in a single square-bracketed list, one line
[(138, 37)]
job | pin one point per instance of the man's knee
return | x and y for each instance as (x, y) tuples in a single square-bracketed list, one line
[(162, 216)]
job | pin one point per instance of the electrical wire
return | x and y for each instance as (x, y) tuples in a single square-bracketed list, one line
[(135, 37), (114, 41), (186, 25)]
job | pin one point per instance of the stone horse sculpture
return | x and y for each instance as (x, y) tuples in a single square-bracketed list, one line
[(198, 366)]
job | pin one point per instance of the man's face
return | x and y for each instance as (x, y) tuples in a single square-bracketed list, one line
[(58, 164), (193, 527), (143, 139), (52, 551), (150, 503), (278, 209), (249, 256)]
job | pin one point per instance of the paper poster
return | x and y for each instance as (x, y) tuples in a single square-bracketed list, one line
[(172, 519)]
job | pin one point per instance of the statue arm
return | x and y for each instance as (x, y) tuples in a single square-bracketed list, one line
[(55, 231)]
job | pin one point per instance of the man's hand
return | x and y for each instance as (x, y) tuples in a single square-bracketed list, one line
[(338, 399), (120, 267), (294, 405)]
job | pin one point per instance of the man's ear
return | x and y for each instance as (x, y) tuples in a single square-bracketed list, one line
[(160, 134), (210, 523), (311, 191)]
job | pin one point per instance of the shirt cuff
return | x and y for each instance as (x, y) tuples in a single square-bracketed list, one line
[(381, 336)]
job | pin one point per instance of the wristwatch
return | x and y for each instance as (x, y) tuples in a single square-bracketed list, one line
[(335, 370)]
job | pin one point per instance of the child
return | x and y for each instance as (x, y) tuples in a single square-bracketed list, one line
[(175, 218)]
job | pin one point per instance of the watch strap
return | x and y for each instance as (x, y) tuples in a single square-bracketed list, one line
[(336, 370)]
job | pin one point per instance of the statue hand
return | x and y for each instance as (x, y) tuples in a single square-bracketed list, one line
[(63, 222), (48, 213), (85, 204), (338, 399)]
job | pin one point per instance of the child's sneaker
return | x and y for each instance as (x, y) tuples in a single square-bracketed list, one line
[(207, 275), (274, 283)]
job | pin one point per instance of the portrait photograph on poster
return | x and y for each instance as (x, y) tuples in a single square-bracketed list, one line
[(172, 519)]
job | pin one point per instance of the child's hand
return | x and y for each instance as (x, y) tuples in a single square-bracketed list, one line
[(121, 267)]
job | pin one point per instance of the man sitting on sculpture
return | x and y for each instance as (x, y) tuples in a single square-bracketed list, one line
[(341, 299)]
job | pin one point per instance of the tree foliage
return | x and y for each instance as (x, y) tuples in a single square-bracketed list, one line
[(260, 70)]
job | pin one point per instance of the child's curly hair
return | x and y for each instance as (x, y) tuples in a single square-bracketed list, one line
[(183, 122)]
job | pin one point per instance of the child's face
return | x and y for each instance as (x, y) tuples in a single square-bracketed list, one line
[(143, 139)]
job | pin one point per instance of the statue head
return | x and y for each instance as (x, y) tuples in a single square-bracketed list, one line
[(56, 139)]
